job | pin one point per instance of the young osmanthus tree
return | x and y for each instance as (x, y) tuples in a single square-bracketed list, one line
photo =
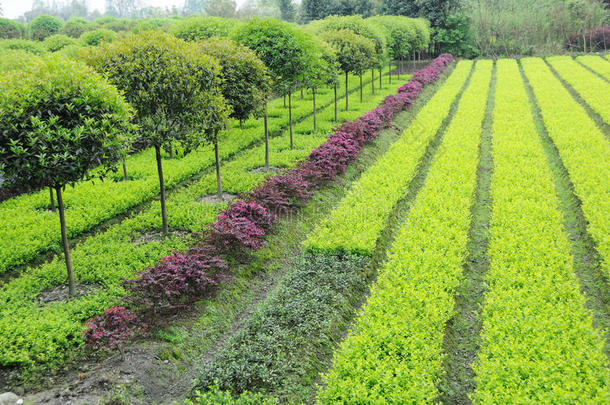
[(174, 87), (280, 47), (59, 121), (321, 70), (354, 52), (245, 86)]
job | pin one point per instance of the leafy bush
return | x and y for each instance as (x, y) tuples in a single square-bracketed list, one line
[(282, 194), (97, 37), (33, 47), (57, 42), (75, 27), (194, 28), (217, 397), (10, 29), (43, 26), (112, 329)]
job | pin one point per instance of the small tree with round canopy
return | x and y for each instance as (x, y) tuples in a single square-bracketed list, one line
[(174, 87), (279, 45), (197, 27), (363, 28), (354, 53), (60, 120), (321, 70), (245, 84)]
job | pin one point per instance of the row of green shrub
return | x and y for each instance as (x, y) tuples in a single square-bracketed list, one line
[(582, 146), (593, 89), (29, 229), (34, 333), (356, 224), (596, 63), (393, 353), (537, 341)]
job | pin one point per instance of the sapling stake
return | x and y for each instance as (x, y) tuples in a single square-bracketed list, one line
[(162, 189)]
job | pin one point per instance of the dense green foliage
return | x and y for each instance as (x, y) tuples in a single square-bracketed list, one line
[(57, 42), (194, 28), (10, 29), (535, 323), (97, 37), (597, 64), (60, 120), (34, 47), (75, 27), (274, 352), (356, 224), (245, 82), (394, 351), (43, 26), (354, 52)]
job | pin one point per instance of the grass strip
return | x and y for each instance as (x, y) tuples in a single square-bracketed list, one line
[(538, 344), (581, 146), (32, 332), (593, 90), (358, 221), (29, 228), (394, 351), (597, 64)]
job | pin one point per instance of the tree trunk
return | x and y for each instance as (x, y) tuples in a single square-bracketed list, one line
[(361, 87), (64, 240), (266, 138), (124, 169), (218, 179), (398, 67), (52, 199), (302, 95), (162, 190), (313, 93), (373, 80), (171, 151), (390, 71), (336, 112), (241, 124), (346, 91), (380, 77), (284, 100), (290, 117)]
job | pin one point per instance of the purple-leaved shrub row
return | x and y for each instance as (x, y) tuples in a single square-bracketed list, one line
[(180, 279)]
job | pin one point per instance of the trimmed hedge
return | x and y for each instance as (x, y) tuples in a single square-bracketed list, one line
[(10, 29), (43, 26)]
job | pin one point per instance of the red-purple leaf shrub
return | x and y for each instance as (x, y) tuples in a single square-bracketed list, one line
[(174, 279), (282, 194), (113, 328), (232, 235), (252, 211)]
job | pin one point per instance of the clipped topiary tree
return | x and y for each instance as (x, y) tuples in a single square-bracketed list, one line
[(43, 26), (10, 29), (280, 47), (321, 70), (96, 37), (60, 120), (75, 27), (245, 84), (174, 87), (57, 42), (194, 28), (354, 53)]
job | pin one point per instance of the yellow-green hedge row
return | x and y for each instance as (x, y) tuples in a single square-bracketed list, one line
[(393, 354), (596, 63), (356, 224), (538, 345), (594, 90), (582, 146)]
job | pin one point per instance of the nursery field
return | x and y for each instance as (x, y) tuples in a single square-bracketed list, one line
[(451, 244)]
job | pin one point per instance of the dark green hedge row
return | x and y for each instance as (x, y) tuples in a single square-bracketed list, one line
[(287, 341)]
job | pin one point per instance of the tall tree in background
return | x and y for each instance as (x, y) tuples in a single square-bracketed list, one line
[(436, 11), (122, 8), (315, 9), (220, 8), (194, 6), (287, 9), (365, 8)]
